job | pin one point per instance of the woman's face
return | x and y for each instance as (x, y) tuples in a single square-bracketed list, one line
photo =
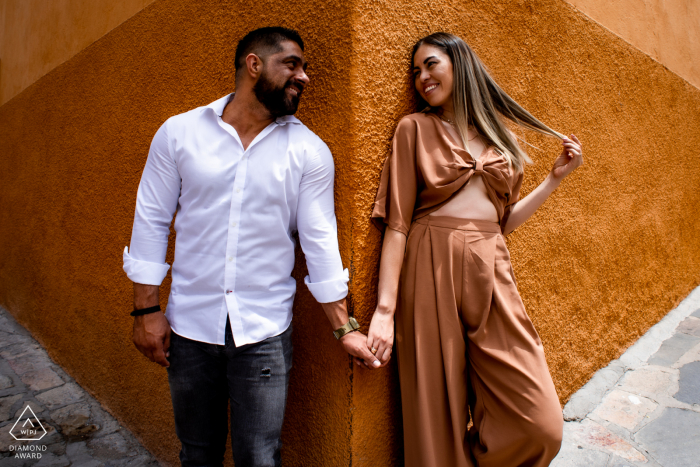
[(432, 73)]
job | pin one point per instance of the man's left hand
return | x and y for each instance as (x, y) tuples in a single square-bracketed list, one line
[(355, 343)]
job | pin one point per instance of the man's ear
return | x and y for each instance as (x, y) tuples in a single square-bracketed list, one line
[(254, 65)]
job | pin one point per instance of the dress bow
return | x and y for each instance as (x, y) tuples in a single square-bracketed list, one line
[(492, 166)]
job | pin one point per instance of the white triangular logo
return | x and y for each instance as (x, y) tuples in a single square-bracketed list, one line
[(22, 432)]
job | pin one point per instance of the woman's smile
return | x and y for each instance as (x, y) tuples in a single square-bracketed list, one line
[(427, 89)]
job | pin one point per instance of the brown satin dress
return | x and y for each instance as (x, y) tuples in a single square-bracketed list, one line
[(463, 339)]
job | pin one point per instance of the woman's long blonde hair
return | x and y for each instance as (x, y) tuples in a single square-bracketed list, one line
[(480, 102)]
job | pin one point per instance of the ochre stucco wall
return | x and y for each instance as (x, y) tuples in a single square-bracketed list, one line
[(72, 149), (667, 30), (38, 35), (614, 248), (609, 254)]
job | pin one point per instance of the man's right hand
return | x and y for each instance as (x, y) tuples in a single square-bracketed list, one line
[(152, 337), (355, 343)]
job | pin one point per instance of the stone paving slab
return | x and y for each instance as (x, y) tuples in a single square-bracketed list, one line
[(690, 326), (643, 409), (673, 439), (673, 348), (689, 385), (78, 431)]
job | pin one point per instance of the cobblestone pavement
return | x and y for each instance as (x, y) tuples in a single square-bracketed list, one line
[(76, 430), (643, 409)]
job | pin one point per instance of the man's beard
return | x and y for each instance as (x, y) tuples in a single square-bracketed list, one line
[(275, 98)]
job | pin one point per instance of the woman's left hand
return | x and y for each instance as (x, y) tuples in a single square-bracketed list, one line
[(571, 157)]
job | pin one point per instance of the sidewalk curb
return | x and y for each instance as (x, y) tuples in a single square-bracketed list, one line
[(591, 394)]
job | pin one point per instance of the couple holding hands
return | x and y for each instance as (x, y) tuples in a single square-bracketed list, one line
[(243, 174)]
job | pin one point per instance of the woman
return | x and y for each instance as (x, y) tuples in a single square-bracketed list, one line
[(448, 193)]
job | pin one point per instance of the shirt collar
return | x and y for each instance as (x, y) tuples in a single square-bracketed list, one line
[(287, 119), (219, 105)]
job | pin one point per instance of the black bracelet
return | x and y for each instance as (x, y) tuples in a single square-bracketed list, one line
[(145, 311)]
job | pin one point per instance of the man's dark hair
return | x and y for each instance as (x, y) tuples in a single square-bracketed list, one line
[(263, 42)]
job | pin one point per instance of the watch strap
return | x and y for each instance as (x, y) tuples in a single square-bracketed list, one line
[(350, 326)]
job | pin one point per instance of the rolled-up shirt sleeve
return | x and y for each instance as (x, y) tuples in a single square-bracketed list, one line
[(318, 233), (156, 202)]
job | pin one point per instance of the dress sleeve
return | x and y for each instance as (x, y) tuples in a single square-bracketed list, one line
[(398, 186), (513, 198)]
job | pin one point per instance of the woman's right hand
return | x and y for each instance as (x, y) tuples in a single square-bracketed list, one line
[(381, 335)]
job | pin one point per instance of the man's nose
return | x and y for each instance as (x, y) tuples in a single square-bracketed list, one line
[(303, 77)]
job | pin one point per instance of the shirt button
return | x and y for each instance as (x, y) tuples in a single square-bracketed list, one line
[(233, 224), (238, 190), (230, 258)]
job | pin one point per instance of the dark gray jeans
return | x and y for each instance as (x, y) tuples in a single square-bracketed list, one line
[(203, 377)]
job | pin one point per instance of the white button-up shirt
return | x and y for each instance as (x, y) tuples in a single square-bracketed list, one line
[(236, 213)]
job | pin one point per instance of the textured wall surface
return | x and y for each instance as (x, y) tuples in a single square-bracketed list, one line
[(607, 256), (38, 35), (72, 149), (615, 247), (668, 30)]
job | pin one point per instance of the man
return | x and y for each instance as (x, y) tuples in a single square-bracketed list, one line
[(243, 174)]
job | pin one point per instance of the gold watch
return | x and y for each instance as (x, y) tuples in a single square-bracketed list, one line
[(346, 328)]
